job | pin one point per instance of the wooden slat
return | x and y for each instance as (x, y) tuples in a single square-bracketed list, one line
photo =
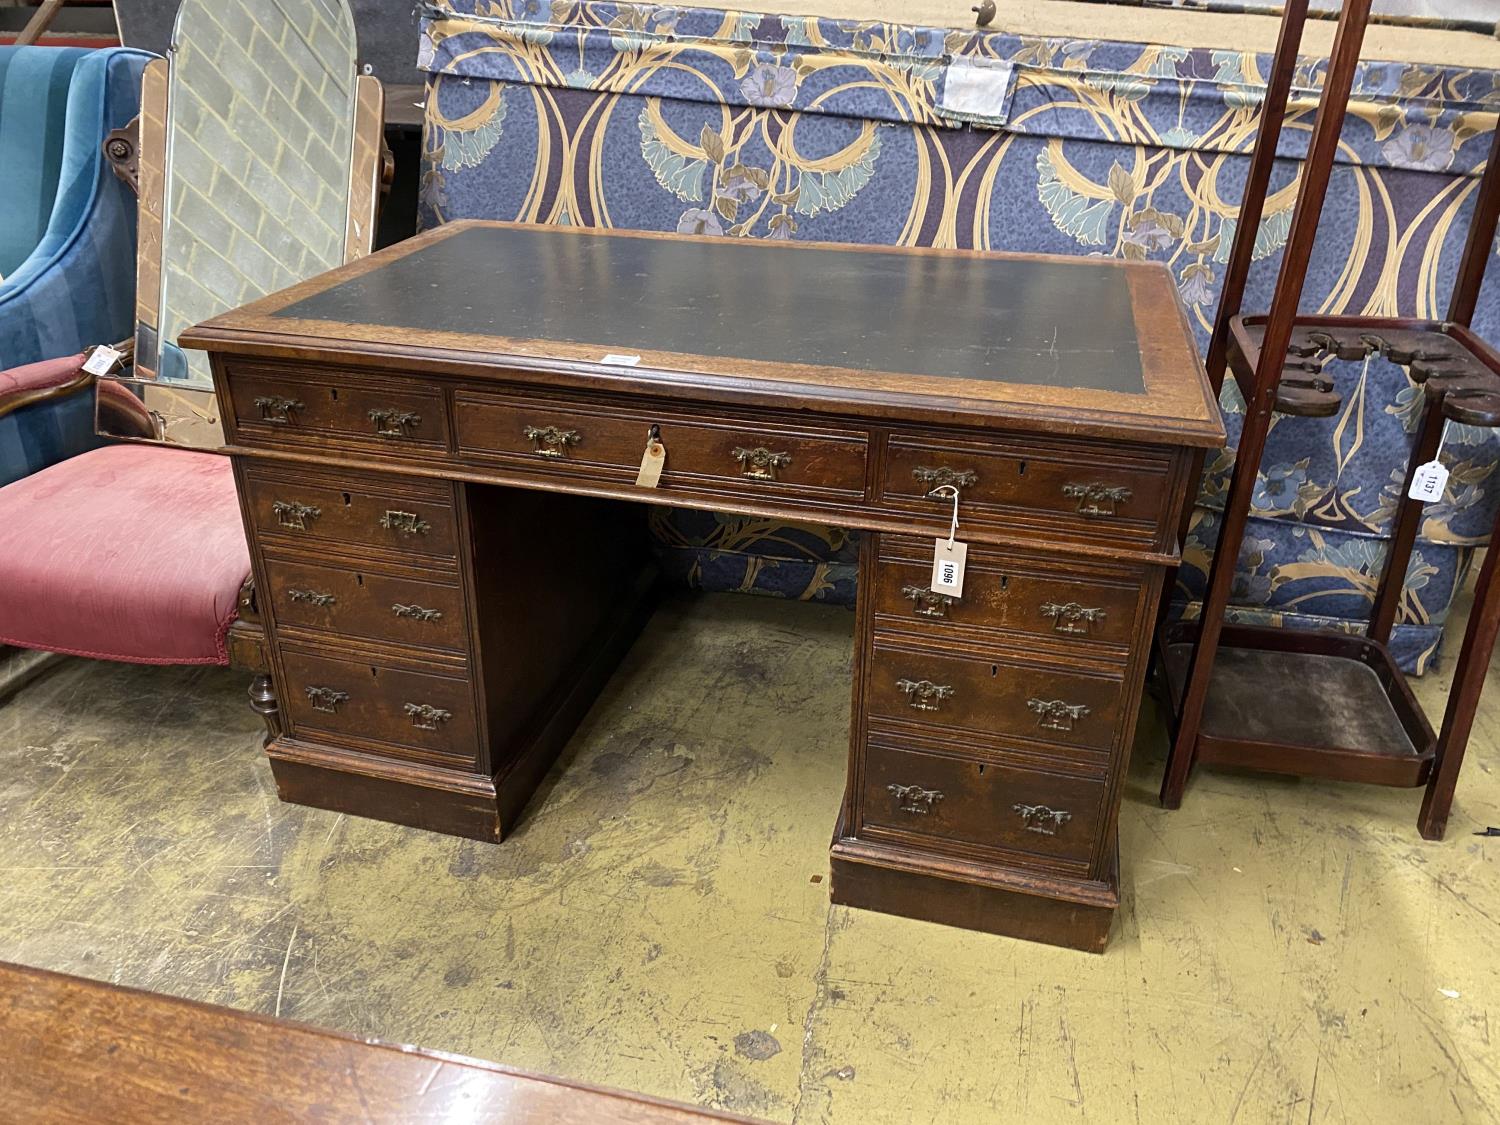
[(75, 1050)]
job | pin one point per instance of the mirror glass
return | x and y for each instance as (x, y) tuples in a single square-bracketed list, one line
[(259, 146)]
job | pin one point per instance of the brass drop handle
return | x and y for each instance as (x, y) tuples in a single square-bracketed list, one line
[(326, 699), (291, 514), (926, 602), (424, 716), (924, 695), (759, 463), (311, 597), (549, 441), (1042, 819), (1055, 714), (944, 476), (1072, 617), (1097, 499), (276, 410), (395, 423), (915, 799), (404, 523), (416, 612)]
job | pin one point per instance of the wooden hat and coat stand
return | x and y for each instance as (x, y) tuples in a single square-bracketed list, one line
[(1323, 703)]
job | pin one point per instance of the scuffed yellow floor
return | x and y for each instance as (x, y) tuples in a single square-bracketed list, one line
[(1286, 952)]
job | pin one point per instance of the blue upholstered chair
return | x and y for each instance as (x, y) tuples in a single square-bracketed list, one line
[(67, 240)]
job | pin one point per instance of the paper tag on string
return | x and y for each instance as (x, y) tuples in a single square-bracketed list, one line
[(102, 360), (653, 461), (1428, 482), (948, 556)]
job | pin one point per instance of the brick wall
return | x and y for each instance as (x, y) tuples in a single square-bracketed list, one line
[(260, 135)]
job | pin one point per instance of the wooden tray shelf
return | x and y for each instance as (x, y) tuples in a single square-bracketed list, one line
[(1310, 704)]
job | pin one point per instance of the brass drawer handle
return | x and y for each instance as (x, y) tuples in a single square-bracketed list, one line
[(1072, 617), (416, 612), (759, 463), (549, 441), (1041, 819), (915, 799), (296, 516), (311, 597), (326, 699), (1096, 499), (277, 411), (404, 523), (424, 716), (945, 477), (1054, 714), (924, 695), (926, 603), (395, 423)]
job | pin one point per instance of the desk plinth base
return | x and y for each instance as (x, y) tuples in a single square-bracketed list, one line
[(1029, 906), (326, 777)]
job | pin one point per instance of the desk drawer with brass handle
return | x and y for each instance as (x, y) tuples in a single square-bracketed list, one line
[(1088, 608), (999, 696), (1096, 495), (405, 516), (367, 603), (948, 798), (706, 453), (271, 408), (418, 714)]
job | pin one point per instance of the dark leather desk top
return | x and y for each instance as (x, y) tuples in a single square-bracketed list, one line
[(976, 317), (1094, 346)]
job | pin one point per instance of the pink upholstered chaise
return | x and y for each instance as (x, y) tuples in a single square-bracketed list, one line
[(130, 552)]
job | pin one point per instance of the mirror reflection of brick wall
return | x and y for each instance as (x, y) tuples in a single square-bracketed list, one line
[(260, 135)]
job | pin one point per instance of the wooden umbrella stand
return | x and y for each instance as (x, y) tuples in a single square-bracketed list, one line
[(1322, 703)]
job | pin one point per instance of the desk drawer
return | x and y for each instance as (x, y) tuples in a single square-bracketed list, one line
[(996, 695), (945, 799), (366, 603), (743, 458), (416, 713), (1082, 606), (1101, 493), (399, 514), (272, 406)]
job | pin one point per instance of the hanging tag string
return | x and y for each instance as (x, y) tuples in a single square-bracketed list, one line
[(949, 490)]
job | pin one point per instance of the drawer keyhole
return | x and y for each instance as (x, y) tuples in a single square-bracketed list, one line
[(1004, 583), (347, 499), (1021, 468)]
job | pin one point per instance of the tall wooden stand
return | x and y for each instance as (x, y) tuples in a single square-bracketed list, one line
[(1343, 709)]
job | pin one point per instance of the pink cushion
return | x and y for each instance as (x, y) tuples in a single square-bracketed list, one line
[(130, 552), (39, 376)]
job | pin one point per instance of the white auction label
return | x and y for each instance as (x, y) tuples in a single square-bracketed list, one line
[(1428, 482), (948, 567), (102, 360)]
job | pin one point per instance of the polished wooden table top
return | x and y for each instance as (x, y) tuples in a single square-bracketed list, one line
[(1093, 346), (81, 1050)]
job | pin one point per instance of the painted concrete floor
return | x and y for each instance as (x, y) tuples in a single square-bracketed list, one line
[(1286, 952)]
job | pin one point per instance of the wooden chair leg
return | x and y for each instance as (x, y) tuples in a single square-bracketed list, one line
[(1463, 697), (264, 703)]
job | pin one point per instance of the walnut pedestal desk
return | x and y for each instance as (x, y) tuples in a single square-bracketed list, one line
[(436, 448)]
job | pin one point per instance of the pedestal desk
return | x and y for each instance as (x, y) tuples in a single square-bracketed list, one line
[(437, 451)]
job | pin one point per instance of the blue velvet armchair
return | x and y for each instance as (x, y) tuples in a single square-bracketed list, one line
[(67, 239)]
